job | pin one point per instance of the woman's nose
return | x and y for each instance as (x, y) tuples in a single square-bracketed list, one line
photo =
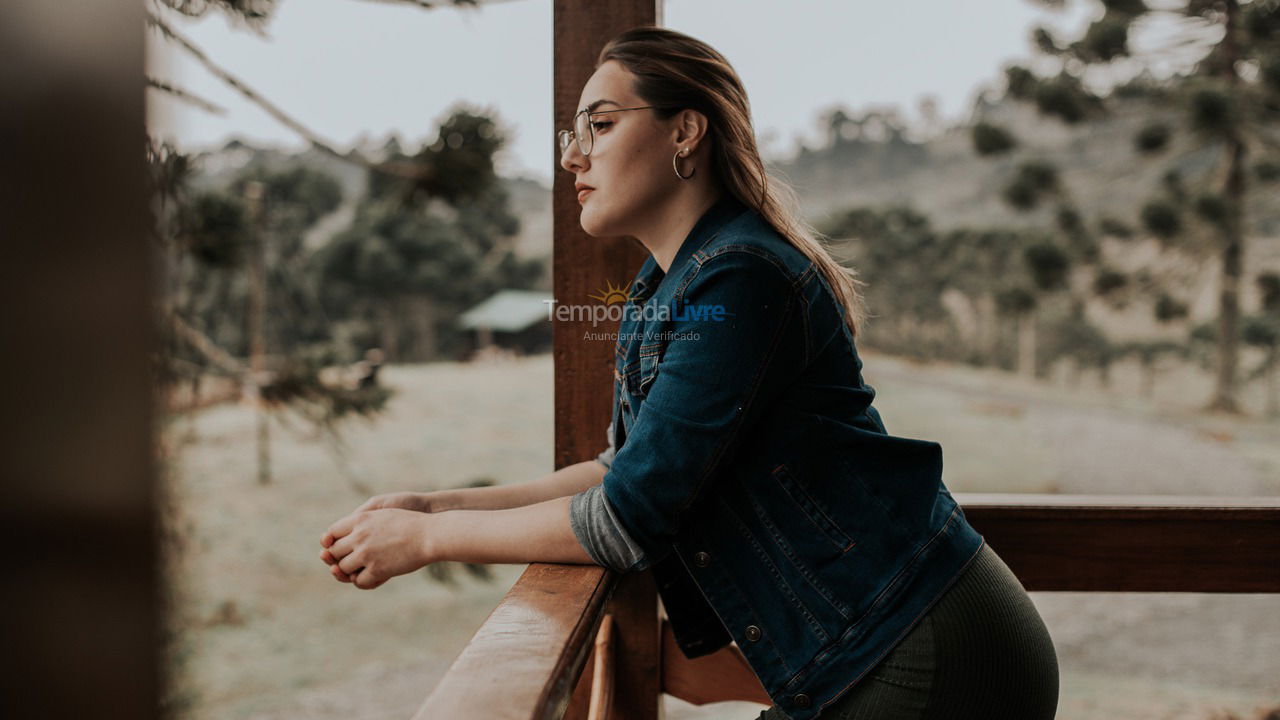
[(571, 158)]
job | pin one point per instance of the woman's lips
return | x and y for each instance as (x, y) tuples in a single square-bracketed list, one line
[(583, 194)]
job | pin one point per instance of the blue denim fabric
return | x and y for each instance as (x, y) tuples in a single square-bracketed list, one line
[(753, 474)]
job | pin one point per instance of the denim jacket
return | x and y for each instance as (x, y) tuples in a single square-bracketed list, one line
[(750, 472)]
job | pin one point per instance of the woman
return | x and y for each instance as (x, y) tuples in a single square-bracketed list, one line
[(746, 467)]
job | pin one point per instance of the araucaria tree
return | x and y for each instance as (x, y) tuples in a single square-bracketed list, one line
[(1227, 105)]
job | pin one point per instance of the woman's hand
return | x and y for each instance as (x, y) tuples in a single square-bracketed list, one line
[(417, 501), (369, 548)]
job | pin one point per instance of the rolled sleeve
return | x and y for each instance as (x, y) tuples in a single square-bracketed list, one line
[(713, 381), (598, 530)]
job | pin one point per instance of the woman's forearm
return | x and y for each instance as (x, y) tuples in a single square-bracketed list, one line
[(539, 532), (568, 480)]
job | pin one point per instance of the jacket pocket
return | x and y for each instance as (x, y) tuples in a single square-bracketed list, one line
[(643, 372), (812, 508)]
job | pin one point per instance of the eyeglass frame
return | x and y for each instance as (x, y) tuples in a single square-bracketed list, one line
[(563, 144)]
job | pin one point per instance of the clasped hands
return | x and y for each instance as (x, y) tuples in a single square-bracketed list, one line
[(388, 535)]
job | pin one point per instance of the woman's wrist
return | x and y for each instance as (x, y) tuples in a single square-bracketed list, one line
[(436, 501), (430, 545)]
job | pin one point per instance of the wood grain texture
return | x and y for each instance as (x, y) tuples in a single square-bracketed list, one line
[(602, 672), (523, 662), (637, 653), (584, 265)]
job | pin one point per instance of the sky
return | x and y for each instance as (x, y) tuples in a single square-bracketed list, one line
[(353, 69)]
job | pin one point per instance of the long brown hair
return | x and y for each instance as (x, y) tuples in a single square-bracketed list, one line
[(674, 71)]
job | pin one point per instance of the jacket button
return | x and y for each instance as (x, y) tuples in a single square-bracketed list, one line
[(801, 700), (753, 633), (701, 559)]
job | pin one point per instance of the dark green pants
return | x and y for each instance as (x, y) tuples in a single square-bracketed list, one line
[(981, 652)]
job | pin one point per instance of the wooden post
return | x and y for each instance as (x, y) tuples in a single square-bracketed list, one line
[(637, 651), (255, 196), (582, 266)]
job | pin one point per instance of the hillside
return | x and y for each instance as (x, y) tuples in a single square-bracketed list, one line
[(942, 177)]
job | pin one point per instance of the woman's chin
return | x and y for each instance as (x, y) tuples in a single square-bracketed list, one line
[(591, 224)]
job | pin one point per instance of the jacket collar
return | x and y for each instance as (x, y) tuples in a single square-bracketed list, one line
[(717, 216)]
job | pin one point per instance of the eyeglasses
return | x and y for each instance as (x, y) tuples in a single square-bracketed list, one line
[(584, 130)]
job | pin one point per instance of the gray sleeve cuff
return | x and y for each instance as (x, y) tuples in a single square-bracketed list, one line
[(606, 458), (600, 534)]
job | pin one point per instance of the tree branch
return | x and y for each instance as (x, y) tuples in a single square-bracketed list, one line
[(208, 348), (403, 170), (196, 100)]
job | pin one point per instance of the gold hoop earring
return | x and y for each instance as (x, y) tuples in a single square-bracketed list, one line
[(674, 163)]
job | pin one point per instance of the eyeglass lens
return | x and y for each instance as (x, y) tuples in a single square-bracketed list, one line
[(582, 131)]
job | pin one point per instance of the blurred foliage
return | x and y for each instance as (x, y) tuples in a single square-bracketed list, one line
[(1034, 181), (1072, 336), (250, 14), (1168, 308), (1223, 105), (421, 251), (1269, 288), (1153, 138), (1107, 281), (1048, 265), (1114, 227), (990, 139), (419, 248), (910, 267), (1161, 218)]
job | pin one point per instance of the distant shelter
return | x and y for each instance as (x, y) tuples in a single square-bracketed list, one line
[(516, 321)]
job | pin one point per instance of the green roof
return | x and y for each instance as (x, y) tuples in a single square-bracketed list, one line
[(508, 311)]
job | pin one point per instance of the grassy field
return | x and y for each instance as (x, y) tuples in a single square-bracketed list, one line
[(265, 632)]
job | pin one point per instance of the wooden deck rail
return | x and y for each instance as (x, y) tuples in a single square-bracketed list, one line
[(527, 661)]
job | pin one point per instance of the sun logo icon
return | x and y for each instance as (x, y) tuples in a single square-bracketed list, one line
[(613, 294)]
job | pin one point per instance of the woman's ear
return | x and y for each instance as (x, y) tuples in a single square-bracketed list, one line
[(691, 127)]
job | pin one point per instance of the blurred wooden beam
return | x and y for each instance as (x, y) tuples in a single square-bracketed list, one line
[(81, 590)]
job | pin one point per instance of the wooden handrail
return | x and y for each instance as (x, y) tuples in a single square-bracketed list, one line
[(523, 662), (1133, 543)]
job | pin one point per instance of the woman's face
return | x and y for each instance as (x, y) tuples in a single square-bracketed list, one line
[(629, 167)]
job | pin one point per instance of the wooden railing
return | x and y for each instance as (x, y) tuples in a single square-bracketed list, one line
[(583, 643)]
